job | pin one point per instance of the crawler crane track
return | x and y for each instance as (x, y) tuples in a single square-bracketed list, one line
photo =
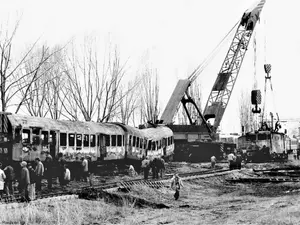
[(123, 185)]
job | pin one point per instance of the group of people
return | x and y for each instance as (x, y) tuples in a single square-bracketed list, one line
[(157, 166), (30, 179)]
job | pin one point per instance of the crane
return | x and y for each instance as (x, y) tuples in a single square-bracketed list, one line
[(224, 84)]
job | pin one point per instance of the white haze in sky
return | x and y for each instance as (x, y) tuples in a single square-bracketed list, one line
[(178, 36)]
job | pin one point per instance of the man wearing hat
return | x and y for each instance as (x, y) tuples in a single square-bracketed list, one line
[(24, 182)]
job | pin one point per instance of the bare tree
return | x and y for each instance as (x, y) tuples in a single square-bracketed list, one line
[(128, 101), (91, 89), (246, 115), (149, 95), (13, 71), (42, 97)]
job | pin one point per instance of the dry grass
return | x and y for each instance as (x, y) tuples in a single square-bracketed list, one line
[(67, 212)]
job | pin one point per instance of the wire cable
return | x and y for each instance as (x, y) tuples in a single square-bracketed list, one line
[(207, 60)]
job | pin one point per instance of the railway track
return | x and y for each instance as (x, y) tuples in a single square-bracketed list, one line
[(121, 185)]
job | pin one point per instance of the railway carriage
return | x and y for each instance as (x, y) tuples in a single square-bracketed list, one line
[(160, 142), (26, 138)]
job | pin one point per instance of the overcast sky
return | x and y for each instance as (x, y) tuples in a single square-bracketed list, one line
[(179, 35)]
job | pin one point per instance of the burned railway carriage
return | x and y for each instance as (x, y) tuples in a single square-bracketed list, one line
[(25, 138)]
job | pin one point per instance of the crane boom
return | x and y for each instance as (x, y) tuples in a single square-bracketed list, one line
[(223, 86)]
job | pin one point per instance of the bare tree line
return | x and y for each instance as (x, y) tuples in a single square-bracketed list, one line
[(65, 82)]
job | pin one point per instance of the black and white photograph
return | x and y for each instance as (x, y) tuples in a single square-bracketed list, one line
[(147, 112)]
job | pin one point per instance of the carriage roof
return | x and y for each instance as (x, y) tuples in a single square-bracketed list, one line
[(152, 133), (157, 133), (64, 125)]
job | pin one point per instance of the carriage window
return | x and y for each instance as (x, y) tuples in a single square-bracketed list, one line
[(119, 140), (130, 137), (137, 142), (123, 140), (133, 143), (163, 142), (169, 142), (98, 140), (35, 136), (113, 140), (78, 140), (172, 140), (86, 140), (159, 144), (107, 140), (71, 140), (26, 136), (63, 139), (45, 137), (52, 137), (149, 145), (141, 143), (18, 135), (152, 145), (145, 144), (93, 141)]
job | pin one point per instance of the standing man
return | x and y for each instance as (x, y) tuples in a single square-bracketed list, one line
[(85, 168), (61, 169), (213, 161), (154, 169), (67, 175), (39, 171), (146, 167), (231, 159), (32, 182), (24, 182), (10, 176), (48, 169), (2, 180), (176, 184), (160, 166)]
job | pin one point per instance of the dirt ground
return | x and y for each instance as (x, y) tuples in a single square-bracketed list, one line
[(215, 201)]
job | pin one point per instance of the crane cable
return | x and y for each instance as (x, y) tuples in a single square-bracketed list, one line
[(207, 60), (254, 61), (271, 86)]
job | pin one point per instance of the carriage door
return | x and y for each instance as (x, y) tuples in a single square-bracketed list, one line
[(53, 143), (101, 143)]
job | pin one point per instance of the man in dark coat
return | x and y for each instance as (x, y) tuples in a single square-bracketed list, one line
[(10, 176), (154, 168), (146, 167), (61, 164), (160, 166), (48, 169), (24, 182)]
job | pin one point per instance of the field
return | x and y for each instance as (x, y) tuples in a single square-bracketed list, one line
[(211, 200)]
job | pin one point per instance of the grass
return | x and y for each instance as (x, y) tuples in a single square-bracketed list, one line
[(67, 212)]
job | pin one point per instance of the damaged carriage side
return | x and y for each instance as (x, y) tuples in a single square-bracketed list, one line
[(27, 138)]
